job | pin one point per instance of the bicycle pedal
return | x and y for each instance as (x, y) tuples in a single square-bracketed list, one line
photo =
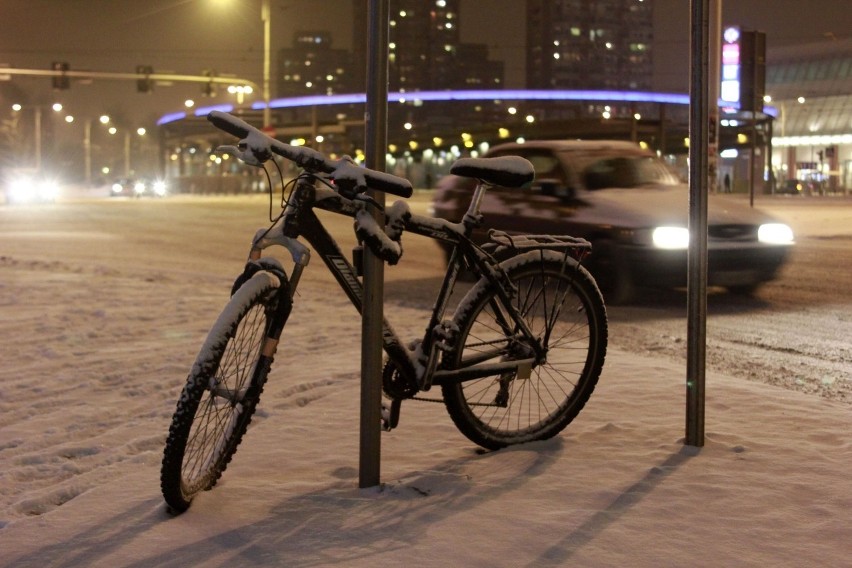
[(390, 414)]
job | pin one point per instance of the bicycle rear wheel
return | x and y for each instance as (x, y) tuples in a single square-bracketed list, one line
[(220, 395), (562, 306)]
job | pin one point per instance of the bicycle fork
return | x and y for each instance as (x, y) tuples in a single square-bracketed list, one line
[(301, 255)]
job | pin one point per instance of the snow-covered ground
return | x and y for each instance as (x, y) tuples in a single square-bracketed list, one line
[(104, 304)]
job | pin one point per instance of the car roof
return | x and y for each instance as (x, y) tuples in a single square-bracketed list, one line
[(568, 145)]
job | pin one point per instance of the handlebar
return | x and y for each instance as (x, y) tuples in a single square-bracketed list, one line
[(255, 147)]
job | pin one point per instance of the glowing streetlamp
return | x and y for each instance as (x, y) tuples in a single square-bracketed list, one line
[(241, 91), (87, 146), (37, 128)]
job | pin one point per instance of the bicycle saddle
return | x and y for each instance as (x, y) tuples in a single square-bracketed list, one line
[(505, 171)]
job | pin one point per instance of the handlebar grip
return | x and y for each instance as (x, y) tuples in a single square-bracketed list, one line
[(230, 123), (389, 183)]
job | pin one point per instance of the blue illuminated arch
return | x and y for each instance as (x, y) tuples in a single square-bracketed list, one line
[(460, 95)]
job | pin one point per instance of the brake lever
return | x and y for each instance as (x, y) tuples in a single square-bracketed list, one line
[(243, 153)]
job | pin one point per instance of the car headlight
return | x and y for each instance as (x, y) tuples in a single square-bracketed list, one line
[(139, 187), (670, 238), (159, 188), (775, 234), (21, 190)]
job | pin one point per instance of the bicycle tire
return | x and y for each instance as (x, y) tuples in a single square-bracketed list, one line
[(499, 410), (209, 424)]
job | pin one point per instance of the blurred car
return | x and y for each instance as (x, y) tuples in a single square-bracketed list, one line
[(138, 187), (121, 188), (796, 187), (791, 187), (22, 187), (632, 208)]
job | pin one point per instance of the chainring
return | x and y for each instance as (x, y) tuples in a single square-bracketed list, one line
[(394, 383)]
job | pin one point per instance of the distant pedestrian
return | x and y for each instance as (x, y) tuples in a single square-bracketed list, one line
[(727, 183)]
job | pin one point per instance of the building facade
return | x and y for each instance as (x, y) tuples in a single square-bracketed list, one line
[(603, 45), (603, 48), (809, 90), (313, 66)]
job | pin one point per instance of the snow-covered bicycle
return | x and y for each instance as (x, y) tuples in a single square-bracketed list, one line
[(515, 363)]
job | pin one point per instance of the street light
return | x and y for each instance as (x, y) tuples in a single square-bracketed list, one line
[(37, 128), (141, 131), (87, 146), (266, 17), (241, 91)]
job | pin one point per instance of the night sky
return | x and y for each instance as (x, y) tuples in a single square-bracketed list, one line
[(187, 36)]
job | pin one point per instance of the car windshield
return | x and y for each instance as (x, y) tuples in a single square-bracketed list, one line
[(621, 171)]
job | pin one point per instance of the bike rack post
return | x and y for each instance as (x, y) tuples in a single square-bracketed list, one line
[(375, 121), (699, 122)]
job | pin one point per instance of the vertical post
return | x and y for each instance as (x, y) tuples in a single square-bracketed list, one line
[(769, 129), (314, 124), (375, 120), (38, 139), (266, 15), (127, 154), (697, 256), (87, 151), (752, 160), (715, 75)]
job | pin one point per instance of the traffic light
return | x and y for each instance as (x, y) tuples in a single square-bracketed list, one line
[(144, 84), (60, 82), (209, 89)]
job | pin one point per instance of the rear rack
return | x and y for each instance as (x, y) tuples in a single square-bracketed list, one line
[(528, 242)]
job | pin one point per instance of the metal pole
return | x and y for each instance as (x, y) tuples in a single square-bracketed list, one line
[(697, 256), (127, 154), (87, 150), (38, 139), (769, 129), (715, 62), (265, 15), (371, 323), (752, 160), (130, 76)]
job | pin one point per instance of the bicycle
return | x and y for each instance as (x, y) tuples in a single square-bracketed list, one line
[(517, 361)]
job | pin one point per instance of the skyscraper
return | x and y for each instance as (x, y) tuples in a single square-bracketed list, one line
[(313, 66), (425, 51), (583, 44)]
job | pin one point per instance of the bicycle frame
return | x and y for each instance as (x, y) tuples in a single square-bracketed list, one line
[(419, 364)]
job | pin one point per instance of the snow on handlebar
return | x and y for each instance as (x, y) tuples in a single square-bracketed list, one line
[(255, 147)]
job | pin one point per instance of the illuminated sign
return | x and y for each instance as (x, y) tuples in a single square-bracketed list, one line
[(731, 66)]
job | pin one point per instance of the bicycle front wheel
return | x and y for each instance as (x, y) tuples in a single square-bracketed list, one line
[(563, 308), (220, 395)]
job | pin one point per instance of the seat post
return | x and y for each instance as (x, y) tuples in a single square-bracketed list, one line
[(472, 217)]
